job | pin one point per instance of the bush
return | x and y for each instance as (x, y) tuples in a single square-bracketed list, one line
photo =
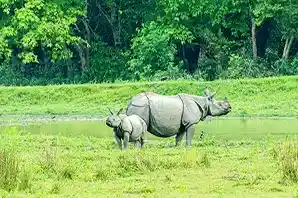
[(107, 64), (208, 69), (153, 49), (241, 67), (286, 67)]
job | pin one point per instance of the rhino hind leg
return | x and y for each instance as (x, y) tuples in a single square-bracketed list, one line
[(142, 142), (139, 144), (189, 134), (179, 137), (125, 140)]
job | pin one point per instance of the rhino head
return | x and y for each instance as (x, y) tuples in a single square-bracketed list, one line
[(113, 120), (217, 107)]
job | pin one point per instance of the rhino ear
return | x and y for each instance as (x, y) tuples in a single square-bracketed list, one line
[(110, 111), (119, 111), (206, 92), (225, 98), (212, 96)]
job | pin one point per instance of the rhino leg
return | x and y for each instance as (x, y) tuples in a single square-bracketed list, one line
[(126, 140), (143, 140), (179, 137), (138, 144), (119, 141), (189, 134)]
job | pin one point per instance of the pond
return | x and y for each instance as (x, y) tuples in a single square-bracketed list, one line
[(219, 129)]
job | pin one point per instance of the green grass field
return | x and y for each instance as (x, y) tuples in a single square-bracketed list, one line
[(59, 166), (81, 159), (251, 97)]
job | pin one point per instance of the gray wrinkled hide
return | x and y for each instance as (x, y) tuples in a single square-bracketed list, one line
[(166, 116), (127, 129)]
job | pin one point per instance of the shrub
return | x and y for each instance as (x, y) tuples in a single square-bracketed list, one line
[(286, 67), (153, 49), (209, 69), (241, 67), (107, 64)]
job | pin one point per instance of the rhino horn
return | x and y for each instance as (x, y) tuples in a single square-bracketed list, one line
[(119, 111), (110, 111)]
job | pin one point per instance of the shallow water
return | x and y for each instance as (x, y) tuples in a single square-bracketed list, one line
[(227, 129)]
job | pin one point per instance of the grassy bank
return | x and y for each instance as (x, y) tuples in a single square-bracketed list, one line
[(59, 166), (252, 97)]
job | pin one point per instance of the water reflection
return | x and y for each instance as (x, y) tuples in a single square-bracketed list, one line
[(228, 129)]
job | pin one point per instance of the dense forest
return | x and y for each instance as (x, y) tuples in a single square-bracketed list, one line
[(79, 41)]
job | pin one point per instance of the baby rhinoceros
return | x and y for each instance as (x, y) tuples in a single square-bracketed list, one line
[(127, 129)]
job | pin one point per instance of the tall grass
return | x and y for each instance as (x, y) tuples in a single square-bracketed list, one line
[(12, 175), (9, 171), (287, 155)]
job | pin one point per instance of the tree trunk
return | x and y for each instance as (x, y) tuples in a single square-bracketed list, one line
[(119, 25), (254, 38), (82, 57), (87, 38), (287, 48), (116, 22)]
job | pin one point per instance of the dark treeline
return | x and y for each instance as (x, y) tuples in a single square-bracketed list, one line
[(77, 41)]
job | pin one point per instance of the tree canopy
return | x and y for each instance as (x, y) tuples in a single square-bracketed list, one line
[(74, 41)]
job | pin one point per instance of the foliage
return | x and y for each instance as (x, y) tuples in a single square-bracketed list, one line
[(61, 41), (153, 49), (287, 67), (39, 26), (107, 64), (240, 67), (288, 18)]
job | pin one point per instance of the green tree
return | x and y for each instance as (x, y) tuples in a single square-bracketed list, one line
[(153, 49), (39, 25)]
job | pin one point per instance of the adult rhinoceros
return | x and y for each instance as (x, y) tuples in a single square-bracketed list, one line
[(167, 116)]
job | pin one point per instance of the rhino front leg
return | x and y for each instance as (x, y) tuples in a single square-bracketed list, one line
[(119, 141), (143, 140), (179, 137), (126, 140), (189, 134)]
